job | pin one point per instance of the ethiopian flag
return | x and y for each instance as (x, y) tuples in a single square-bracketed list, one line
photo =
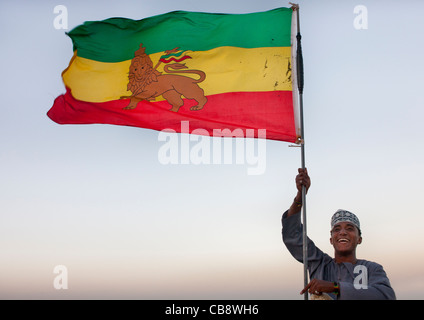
[(226, 73)]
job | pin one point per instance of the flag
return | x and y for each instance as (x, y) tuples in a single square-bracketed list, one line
[(231, 74)]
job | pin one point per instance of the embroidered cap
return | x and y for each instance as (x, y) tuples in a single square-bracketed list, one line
[(345, 216)]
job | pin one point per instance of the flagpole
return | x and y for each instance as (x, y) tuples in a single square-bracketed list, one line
[(299, 69)]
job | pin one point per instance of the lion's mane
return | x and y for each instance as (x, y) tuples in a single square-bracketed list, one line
[(141, 72)]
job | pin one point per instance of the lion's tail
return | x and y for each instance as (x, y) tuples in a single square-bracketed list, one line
[(177, 69)]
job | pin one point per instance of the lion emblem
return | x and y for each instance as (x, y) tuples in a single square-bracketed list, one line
[(147, 83)]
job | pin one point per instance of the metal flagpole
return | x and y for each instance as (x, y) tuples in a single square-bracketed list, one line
[(299, 69)]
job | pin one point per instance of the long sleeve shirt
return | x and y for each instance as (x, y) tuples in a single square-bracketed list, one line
[(364, 280)]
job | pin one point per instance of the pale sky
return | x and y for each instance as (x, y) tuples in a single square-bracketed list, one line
[(98, 200)]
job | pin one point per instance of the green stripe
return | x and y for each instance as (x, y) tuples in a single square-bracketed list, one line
[(177, 54), (116, 39)]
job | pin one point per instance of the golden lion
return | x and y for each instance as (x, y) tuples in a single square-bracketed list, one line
[(146, 83)]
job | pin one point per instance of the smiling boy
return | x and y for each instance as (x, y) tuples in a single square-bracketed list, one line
[(343, 277)]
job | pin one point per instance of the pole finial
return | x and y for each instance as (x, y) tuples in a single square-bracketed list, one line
[(294, 6)]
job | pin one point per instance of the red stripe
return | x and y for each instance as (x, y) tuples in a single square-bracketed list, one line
[(174, 59), (272, 111)]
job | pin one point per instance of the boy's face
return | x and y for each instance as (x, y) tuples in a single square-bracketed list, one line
[(345, 237)]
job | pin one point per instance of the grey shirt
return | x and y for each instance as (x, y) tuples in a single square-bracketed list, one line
[(371, 279)]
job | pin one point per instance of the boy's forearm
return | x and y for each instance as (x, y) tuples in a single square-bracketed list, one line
[(296, 205)]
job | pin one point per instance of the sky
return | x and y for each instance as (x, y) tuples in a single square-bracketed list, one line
[(91, 211)]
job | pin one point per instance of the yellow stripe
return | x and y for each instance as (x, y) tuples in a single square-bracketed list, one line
[(228, 69)]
